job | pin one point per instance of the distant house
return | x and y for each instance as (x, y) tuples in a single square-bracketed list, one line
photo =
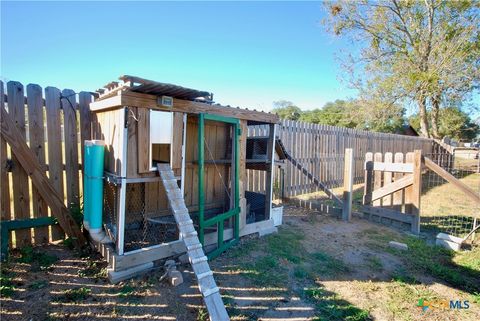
[(407, 130)]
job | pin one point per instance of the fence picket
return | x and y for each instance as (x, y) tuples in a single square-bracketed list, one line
[(36, 132), (71, 148), (4, 177), (21, 199), (54, 137)]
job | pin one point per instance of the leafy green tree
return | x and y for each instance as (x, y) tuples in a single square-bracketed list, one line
[(412, 52), (452, 122), (286, 110), (335, 113)]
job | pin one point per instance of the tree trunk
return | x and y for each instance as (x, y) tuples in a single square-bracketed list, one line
[(423, 116), (435, 112)]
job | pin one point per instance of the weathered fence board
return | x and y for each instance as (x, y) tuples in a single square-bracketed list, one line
[(71, 147), (4, 176), (320, 150), (37, 145), (384, 189), (41, 118), (55, 162), (21, 199)]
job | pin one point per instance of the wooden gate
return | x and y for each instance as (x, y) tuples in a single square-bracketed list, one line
[(393, 187), (40, 162)]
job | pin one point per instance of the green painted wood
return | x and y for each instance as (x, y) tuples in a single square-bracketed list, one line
[(235, 212), (7, 226)]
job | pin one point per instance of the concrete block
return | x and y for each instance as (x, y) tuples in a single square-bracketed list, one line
[(175, 277), (277, 214), (267, 231), (119, 276), (449, 241), (398, 245), (451, 238)]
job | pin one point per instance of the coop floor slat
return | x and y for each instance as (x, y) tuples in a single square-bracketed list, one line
[(206, 282)]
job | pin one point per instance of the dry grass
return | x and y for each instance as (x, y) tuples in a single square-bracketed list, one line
[(446, 199)]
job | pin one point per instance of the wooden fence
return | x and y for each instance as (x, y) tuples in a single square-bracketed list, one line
[(320, 149), (58, 149)]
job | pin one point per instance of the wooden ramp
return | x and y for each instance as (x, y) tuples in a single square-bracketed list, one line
[(198, 260)]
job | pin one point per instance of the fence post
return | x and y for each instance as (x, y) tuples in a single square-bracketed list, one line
[(416, 190), (348, 185)]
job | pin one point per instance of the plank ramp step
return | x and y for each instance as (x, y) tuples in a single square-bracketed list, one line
[(206, 282)]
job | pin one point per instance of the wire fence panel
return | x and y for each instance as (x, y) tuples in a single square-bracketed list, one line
[(444, 207)]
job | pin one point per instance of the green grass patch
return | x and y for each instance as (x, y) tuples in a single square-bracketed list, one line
[(36, 258), (300, 272), (461, 270), (93, 270), (7, 288), (469, 259), (287, 244), (126, 291), (266, 271), (374, 263), (323, 263), (438, 262), (284, 255), (329, 306), (74, 295), (202, 315)]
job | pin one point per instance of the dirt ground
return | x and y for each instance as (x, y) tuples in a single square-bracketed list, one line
[(315, 268)]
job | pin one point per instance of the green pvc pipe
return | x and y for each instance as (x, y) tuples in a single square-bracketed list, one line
[(93, 199)]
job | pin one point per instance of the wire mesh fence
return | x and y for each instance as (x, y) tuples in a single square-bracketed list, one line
[(148, 221), (444, 207)]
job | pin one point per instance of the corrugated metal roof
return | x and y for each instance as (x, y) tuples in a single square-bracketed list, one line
[(146, 86)]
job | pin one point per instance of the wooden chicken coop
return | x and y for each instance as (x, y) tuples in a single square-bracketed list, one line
[(145, 123)]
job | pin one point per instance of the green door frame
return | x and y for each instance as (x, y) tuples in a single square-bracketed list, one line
[(235, 212)]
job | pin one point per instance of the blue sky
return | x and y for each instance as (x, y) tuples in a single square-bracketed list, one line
[(247, 53)]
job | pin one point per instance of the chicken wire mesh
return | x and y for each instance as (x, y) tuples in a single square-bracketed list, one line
[(148, 221), (258, 165), (444, 207), (110, 208)]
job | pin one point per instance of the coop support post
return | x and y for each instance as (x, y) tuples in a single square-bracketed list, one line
[(269, 172), (416, 191), (347, 185), (123, 188), (201, 175), (184, 146)]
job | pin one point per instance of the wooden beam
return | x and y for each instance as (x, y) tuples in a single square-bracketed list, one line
[(348, 185), (393, 167), (133, 99), (451, 179), (392, 187), (416, 190), (367, 189), (143, 140), (28, 161), (387, 213), (269, 172)]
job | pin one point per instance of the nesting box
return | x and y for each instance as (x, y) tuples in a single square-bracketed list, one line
[(145, 123)]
